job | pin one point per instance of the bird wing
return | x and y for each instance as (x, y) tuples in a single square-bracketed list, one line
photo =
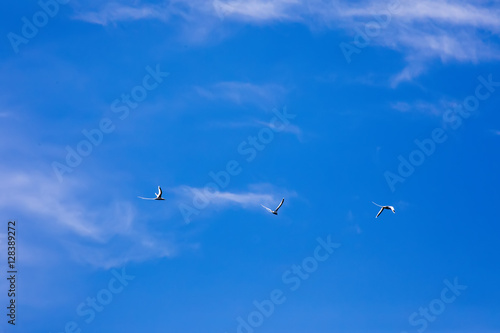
[(147, 198), (281, 204), (377, 204), (380, 212), (159, 191), (269, 209)]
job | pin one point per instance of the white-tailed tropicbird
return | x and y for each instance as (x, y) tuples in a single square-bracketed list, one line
[(382, 209), (158, 195), (275, 212)]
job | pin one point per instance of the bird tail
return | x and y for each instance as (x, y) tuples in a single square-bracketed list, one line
[(376, 204)]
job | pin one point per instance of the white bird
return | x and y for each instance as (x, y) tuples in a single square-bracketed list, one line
[(275, 212), (158, 195), (382, 209)]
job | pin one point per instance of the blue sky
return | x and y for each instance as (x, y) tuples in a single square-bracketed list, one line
[(330, 104)]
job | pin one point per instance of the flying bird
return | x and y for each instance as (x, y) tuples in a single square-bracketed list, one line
[(275, 212), (382, 209), (158, 195)]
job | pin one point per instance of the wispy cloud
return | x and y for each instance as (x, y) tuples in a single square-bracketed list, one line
[(28, 192), (115, 12), (495, 132), (251, 199), (291, 128), (250, 11), (118, 252), (253, 123), (264, 95), (457, 13), (434, 109), (94, 235), (225, 199), (420, 30), (426, 30), (258, 10)]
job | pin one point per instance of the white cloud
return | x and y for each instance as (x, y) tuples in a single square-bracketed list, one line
[(39, 195), (290, 128), (115, 12), (136, 248), (251, 10), (220, 198), (264, 95), (258, 10), (457, 13), (425, 30), (401, 106), (495, 132), (420, 30), (411, 71), (98, 234), (435, 109), (251, 199)]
